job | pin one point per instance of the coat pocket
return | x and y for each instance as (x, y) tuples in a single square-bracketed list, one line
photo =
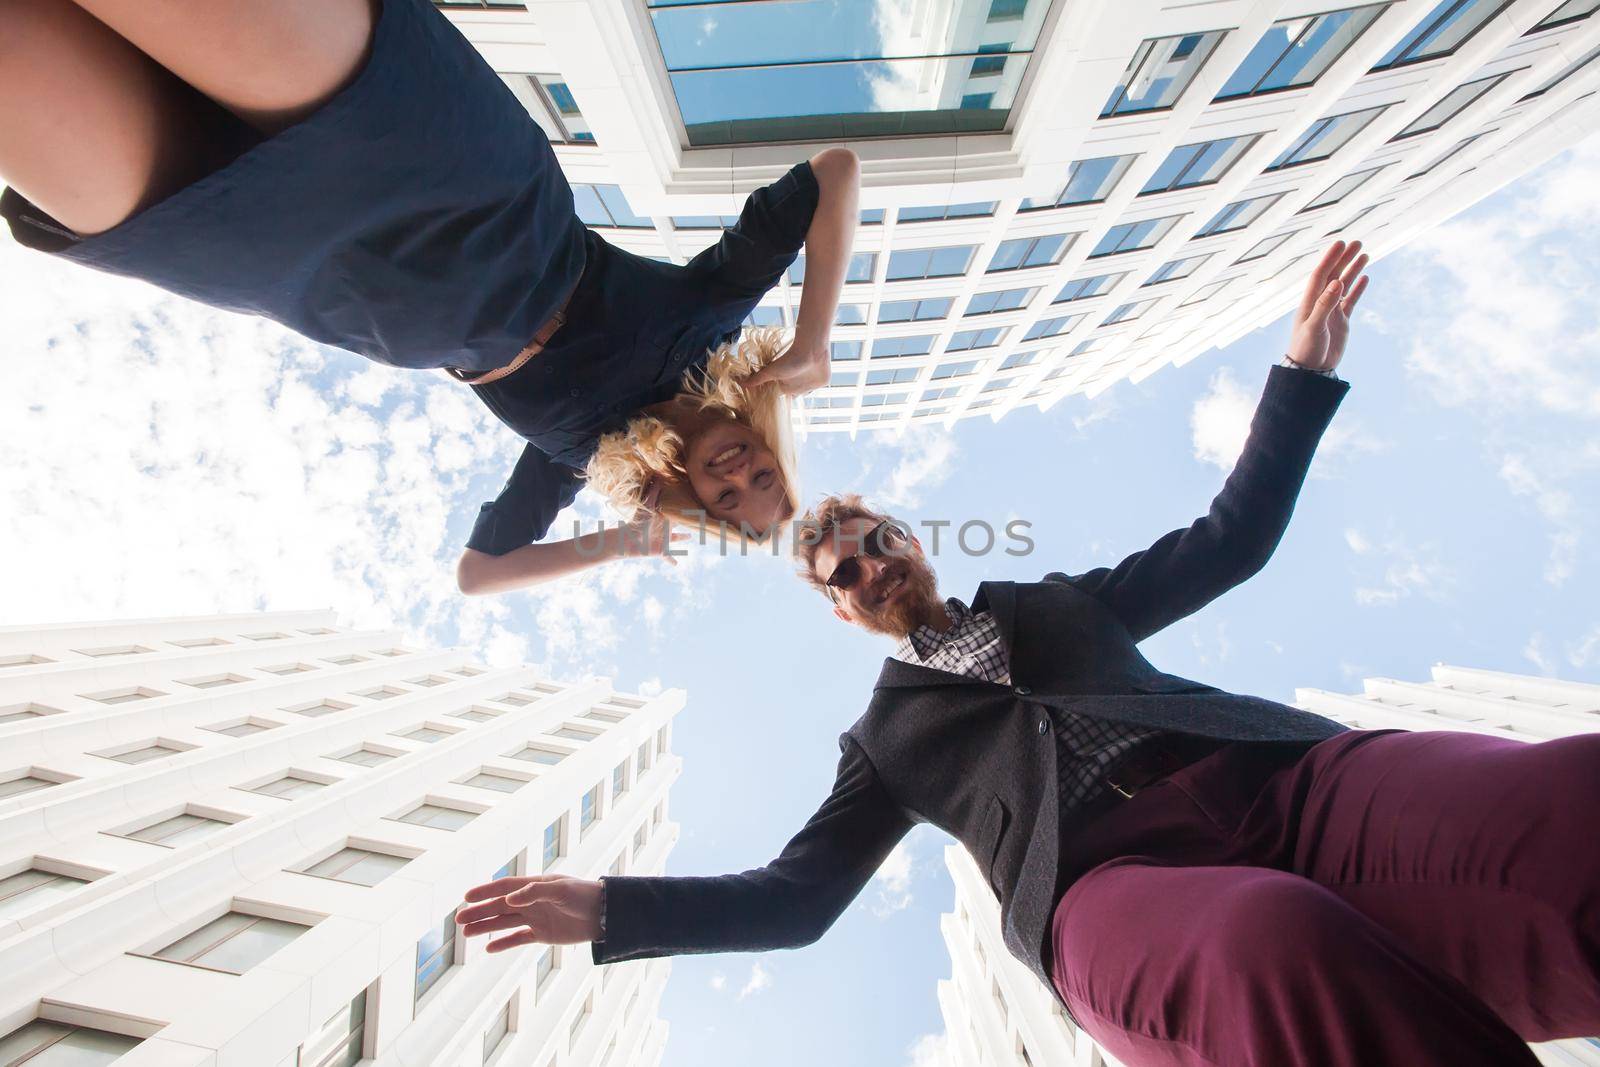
[(996, 817)]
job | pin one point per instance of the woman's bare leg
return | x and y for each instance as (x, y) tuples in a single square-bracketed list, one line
[(91, 129), (271, 62)]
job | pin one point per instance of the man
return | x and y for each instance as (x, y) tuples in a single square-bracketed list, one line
[(1202, 878)]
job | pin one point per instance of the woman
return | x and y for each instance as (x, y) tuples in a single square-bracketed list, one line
[(354, 170)]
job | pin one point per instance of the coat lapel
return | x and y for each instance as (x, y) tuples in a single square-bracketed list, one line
[(997, 597)]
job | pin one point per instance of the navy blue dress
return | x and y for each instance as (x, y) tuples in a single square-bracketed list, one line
[(420, 219)]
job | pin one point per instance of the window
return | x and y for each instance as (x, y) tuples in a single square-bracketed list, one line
[(498, 1031), (212, 681), (1133, 236), (29, 781), (123, 696), (1052, 327), (1295, 52), (574, 733), (1192, 165), (320, 708), (46, 1044), (1006, 10), (1459, 147), (289, 786), (946, 211), (242, 728), (113, 650), (438, 816), (604, 205), (1089, 181), (366, 756), (966, 340), (435, 956), (1571, 11), (1566, 72), (1358, 216), (382, 692), (644, 757), (1174, 269), (572, 127), (22, 660), (1019, 359), (475, 714), (426, 734), (146, 752), (1342, 188), (345, 660), (358, 866), (914, 310), (619, 779), (896, 348), (500, 783), (232, 942), (1084, 288), (872, 216), (1020, 253), (553, 844), (998, 301), (1160, 70), (1266, 246), (1130, 311), (1446, 28), (640, 837), (579, 1019), (22, 712), (32, 888), (1238, 215), (955, 370), (549, 757), (1450, 105), (850, 315), (549, 960), (516, 700), (1325, 137), (589, 809), (930, 262), (861, 267), (337, 1042)]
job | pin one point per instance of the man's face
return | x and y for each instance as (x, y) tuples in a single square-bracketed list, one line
[(892, 594)]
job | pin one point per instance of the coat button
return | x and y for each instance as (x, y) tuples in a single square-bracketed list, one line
[(577, 392), (1021, 690), (1044, 726)]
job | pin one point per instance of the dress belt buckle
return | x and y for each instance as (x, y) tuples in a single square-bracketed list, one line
[(1126, 794)]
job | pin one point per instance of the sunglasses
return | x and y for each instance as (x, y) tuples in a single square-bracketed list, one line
[(884, 539)]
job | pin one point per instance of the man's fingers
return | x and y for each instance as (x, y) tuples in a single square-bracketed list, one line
[(497, 888), (1353, 271), (508, 921), (1326, 302), (510, 941), (1356, 290), (1319, 277), (479, 912)]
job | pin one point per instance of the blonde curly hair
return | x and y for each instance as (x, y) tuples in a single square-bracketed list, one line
[(650, 448)]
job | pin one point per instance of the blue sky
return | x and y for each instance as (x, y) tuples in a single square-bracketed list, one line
[(1450, 517)]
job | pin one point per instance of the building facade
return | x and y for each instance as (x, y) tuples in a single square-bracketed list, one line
[(1056, 196), (998, 1015), (241, 840)]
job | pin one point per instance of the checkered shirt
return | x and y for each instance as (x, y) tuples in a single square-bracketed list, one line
[(1086, 748)]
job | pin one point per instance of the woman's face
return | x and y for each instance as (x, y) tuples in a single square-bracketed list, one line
[(736, 477)]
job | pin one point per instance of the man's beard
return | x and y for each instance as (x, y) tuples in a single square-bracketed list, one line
[(918, 599)]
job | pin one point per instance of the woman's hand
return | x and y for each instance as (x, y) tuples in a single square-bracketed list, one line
[(650, 533), (1322, 323), (802, 367)]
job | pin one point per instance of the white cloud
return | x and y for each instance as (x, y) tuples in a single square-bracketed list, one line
[(760, 979), (893, 880), (1357, 542), (896, 86), (1220, 422), (719, 982), (1585, 650), (929, 1050), (1408, 571), (650, 687), (1534, 653), (927, 456), (1558, 508)]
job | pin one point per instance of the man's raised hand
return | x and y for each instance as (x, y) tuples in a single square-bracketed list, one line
[(545, 909), (1322, 322)]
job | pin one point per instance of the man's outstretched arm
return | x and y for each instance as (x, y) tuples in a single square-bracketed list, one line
[(790, 902), (1188, 568)]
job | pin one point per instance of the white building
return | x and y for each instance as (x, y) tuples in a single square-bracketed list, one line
[(998, 1015), (1055, 196), (240, 840)]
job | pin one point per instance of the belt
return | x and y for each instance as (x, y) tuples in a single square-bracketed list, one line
[(1157, 758), (541, 337)]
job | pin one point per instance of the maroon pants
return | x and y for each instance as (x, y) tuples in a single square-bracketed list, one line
[(1381, 899)]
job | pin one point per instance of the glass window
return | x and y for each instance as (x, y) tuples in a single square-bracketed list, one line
[(1571, 11), (860, 269), (337, 1042), (1133, 236), (426, 734), (497, 1033), (946, 211), (500, 783), (1052, 327), (1160, 70), (1566, 72), (589, 809), (619, 779), (31, 889), (1019, 253), (289, 787), (178, 830), (46, 1044), (435, 956), (1295, 52), (22, 712), (319, 709), (999, 300), (146, 753), (366, 757), (930, 262), (1342, 188), (1206, 292), (1130, 311), (604, 205), (644, 757), (438, 816), (1266, 246), (1084, 288), (358, 866), (574, 733), (814, 69), (1457, 148), (1089, 181), (1450, 105), (914, 310), (474, 714), (850, 315), (1358, 216), (1174, 269), (241, 729), (890, 377), (537, 754), (838, 352), (1238, 215), (549, 960), (553, 849), (1324, 137), (571, 125), (872, 216), (945, 371), (1445, 29), (1191, 165), (1019, 359), (965, 340), (233, 942), (24, 783), (897, 347), (703, 222)]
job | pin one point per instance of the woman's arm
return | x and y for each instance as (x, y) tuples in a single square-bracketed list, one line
[(479, 573)]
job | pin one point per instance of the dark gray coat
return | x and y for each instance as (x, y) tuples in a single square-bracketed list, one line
[(977, 759)]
